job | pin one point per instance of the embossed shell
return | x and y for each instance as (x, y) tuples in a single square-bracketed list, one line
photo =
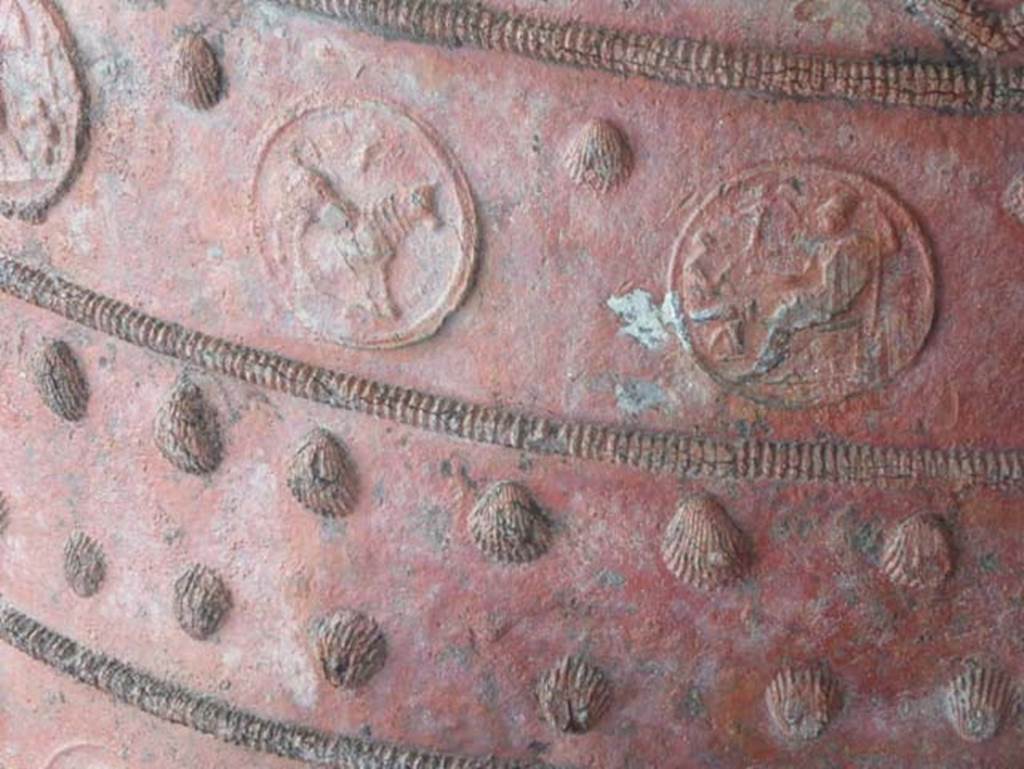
[(350, 647), (201, 601), (979, 700), (918, 553), (703, 547), (197, 75), (573, 695), (187, 431), (1013, 198), (802, 702), (508, 525), (321, 476), (85, 566), (599, 156), (60, 381)]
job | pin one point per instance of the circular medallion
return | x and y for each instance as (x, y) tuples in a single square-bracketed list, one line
[(796, 285), (42, 108), (84, 756), (366, 223)]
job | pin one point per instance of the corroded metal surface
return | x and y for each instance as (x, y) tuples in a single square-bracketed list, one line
[(374, 398)]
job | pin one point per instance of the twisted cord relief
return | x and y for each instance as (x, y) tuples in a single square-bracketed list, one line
[(974, 28), (684, 61), (215, 717), (669, 452)]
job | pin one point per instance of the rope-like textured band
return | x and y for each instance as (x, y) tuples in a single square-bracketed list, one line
[(218, 718), (682, 61), (670, 452)]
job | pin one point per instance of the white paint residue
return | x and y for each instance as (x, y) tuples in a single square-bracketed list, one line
[(79, 229), (636, 396), (841, 20), (641, 318), (672, 315)]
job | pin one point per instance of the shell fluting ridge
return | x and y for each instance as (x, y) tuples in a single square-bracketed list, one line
[(197, 75), (350, 647), (508, 526), (599, 157), (979, 700), (703, 547), (59, 380), (918, 553), (803, 701), (85, 565), (187, 431), (201, 601), (573, 695), (322, 476)]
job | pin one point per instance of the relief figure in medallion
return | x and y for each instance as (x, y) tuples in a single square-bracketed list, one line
[(342, 243), (799, 285), (366, 223), (42, 108), (512, 384)]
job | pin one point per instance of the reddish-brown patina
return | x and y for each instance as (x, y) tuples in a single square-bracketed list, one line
[(666, 427)]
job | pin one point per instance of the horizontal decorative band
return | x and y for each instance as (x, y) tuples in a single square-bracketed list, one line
[(669, 452), (218, 718), (688, 62)]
